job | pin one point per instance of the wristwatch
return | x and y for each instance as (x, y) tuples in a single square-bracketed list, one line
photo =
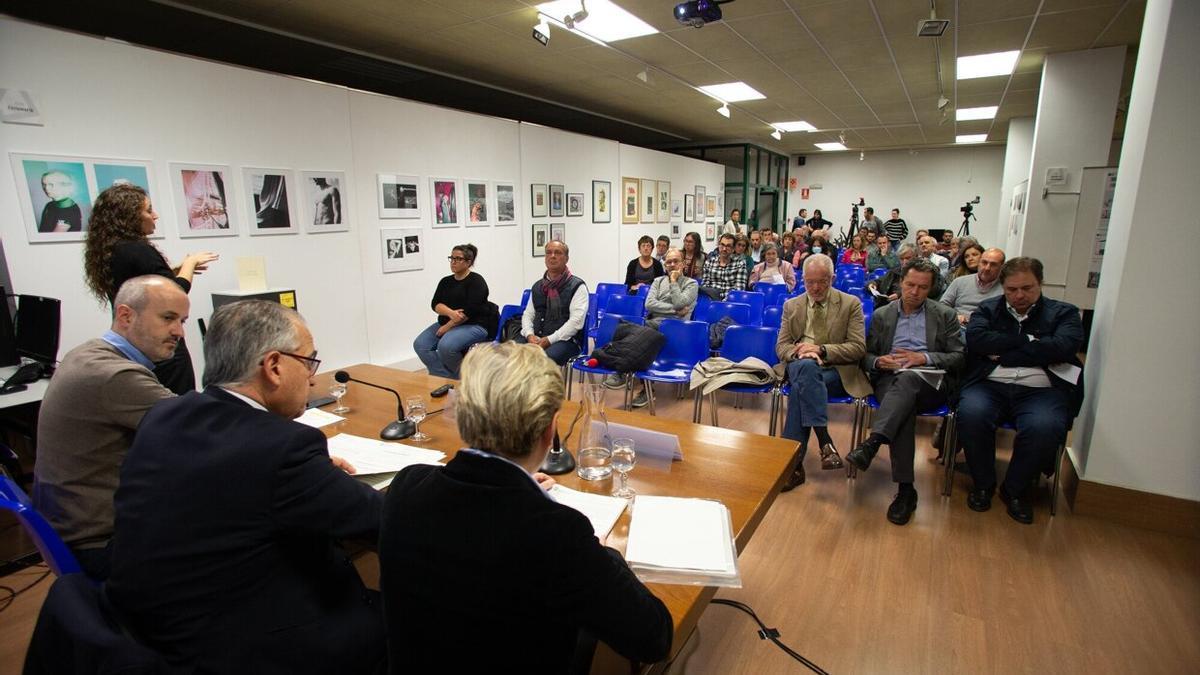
[(824, 352)]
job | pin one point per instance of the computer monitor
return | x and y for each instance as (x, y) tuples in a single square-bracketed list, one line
[(8, 338), (37, 327)]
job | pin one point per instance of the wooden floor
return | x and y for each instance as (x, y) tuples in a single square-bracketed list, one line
[(953, 591)]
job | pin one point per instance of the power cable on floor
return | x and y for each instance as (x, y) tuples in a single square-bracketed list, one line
[(771, 634)]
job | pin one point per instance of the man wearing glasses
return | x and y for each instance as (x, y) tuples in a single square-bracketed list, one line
[(223, 552), (723, 273)]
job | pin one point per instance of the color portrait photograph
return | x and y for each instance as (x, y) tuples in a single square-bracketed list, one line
[(444, 192), (204, 200), (59, 199)]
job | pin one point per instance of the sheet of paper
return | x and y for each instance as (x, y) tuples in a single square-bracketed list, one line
[(602, 510), (251, 274), (932, 376), (679, 533), (370, 456), (1066, 371), (315, 417)]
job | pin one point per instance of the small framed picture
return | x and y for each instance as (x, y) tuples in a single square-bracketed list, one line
[(689, 208), (675, 227), (710, 206), (270, 204), (446, 208), (402, 249), (648, 195), (662, 208), (575, 204), (203, 200), (539, 200), (321, 196), (558, 232), (506, 202), (676, 209), (710, 231), (700, 205), (601, 201), (477, 203), (629, 201), (398, 196), (557, 196), (540, 235)]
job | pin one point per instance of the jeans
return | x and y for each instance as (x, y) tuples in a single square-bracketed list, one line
[(1042, 416), (443, 356), (95, 562), (811, 387), (561, 352)]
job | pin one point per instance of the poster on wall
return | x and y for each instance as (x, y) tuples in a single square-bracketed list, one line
[(506, 202), (662, 209), (574, 203), (56, 199), (1101, 240), (203, 200), (558, 232), (444, 194), (557, 197), (398, 196), (710, 206), (402, 249), (601, 201), (477, 203), (647, 193), (629, 201), (270, 206), (539, 200), (321, 198), (689, 208), (539, 236)]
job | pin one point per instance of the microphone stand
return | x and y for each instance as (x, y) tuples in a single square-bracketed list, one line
[(400, 429), (559, 460)]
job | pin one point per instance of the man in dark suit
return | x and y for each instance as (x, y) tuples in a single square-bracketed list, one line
[(905, 337), (223, 556), (1022, 367), (481, 571)]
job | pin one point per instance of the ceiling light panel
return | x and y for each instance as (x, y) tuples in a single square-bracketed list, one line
[(831, 146), (798, 125), (605, 21), (986, 65), (984, 113), (732, 92), (970, 138)]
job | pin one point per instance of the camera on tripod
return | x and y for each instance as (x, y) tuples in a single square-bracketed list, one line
[(969, 207)]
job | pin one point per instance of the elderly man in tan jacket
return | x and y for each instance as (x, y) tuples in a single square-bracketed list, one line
[(820, 344)]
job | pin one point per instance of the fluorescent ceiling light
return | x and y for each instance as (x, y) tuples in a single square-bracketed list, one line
[(732, 92), (798, 125), (986, 65), (970, 138), (605, 22), (984, 113), (724, 111), (831, 146)]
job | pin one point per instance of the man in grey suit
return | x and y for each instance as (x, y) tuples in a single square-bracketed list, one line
[(909, 342)]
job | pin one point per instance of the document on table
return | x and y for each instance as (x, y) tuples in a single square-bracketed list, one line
[(678, 540), (602, 510), (315, 417), (370, 456)]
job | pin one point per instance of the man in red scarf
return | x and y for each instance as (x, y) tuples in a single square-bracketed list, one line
[(555, 315)]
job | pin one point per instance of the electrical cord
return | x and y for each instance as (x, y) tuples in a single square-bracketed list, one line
[(8, 594), (771, 634)]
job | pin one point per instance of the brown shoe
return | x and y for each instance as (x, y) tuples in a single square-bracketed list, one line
[(795, 480), (829, 457)]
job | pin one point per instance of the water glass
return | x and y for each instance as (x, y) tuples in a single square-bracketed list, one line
[(337, 391), (594, 463), (623, 460), (416, 413)]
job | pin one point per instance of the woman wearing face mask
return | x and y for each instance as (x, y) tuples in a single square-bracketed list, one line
[(773, 270)]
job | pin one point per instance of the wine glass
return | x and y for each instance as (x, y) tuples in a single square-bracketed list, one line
[(416, 413), (623, 460), (337, 390)]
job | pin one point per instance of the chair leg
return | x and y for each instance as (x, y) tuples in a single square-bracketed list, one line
[(712, 404), (950, 451), (697, 405), (569, 378), (1062, 450), (774, 409), (628, 392), (648, 388)]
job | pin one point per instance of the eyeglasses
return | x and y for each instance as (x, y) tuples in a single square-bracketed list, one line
[(455, 258), (313, 364)]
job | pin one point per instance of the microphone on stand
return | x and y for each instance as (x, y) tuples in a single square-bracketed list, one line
[(394, 431), (559, 460)]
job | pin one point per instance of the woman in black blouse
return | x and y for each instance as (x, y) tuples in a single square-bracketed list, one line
[(643, 269), (465, 316), (117, 250)]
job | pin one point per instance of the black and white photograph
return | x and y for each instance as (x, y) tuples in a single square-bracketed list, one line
[(401, 249), (412, 244), (539, 236), (675, 227), (689, 208), (506, 203), (395, 248), (575, 204), (398, 197), (699, 205), (676, 209), (662, 208), (325, 207), (539, 200), (557, 198), (601, 201), (477, 203), (648, 191), (558, 232), (269, 201)]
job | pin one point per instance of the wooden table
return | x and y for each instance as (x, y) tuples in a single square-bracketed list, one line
[(744, 471)]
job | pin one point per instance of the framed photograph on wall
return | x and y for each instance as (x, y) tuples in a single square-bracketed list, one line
[(55, 193), (676, 209), (110, 172), (689, 208), (398, 196), (447, 209), (647, 195), (710, 207), (477, 203), (323, 208), (557, 197), (558, 232), (539, 236), (601, 201), (506, 202), (710, 231), (662, 208), (629, 201), (675, 228), (574, 203), (204, 200), (539, 200), (402, 249), (700, 205), (270, 205)]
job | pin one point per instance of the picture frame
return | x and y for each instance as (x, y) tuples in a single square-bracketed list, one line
[(629, 201), (445, 202), (270, 201), (647, 197), (676, 209), (399, 196), (557, 200), (710, 231), (476, 193), (558, 232), (601, 201), (700, 205), (574, 204), (402, 249), (110, 172), (539, 237), (675, 230), (689, 208), (324, 207), (204, 203), (710, 206), (662, 212), (505, 194), (539, 200)]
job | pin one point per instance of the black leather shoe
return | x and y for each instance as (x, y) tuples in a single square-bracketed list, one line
[(1019, 509), (980, 500), (902, 507), (829, 457), (795, 480), (861, 456)]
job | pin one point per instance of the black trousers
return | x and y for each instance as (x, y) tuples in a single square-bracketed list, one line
[(901, 396)]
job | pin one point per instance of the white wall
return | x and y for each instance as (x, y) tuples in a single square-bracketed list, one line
[(928, 186), (1017, 152)]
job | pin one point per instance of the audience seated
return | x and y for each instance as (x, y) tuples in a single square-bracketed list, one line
[(963, 244), (223, 557), (754, 250), (90, 411), (741, 246), (965, 293), (927, 247), (556, 314), (528, 588), (968, 262), (644, 268), (465, 316), (1022, 367), (819, 243), (773, 269), (946, 243), (693, 256), (915, 332), (673, 295), (724, 271), (660, 247), (887, 288), (787, 246), (856, 254), (819, 346), (882, 257)]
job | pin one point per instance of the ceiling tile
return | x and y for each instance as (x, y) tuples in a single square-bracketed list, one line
[(998, 36), (771, 33), (971, 13), (1070, 31)]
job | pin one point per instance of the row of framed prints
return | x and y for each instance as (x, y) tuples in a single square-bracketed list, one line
[(542, 234), (649, 201), (56, 194), (452, 202)]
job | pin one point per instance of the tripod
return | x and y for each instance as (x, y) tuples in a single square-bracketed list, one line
[(964, 230)]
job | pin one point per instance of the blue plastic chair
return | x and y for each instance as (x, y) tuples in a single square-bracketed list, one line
[(742, 342), (785, 389), (603, 292), (625, 305), (604, 335), (877, 274), (525, 298), (700, 311), (686, 345), (756, 301), (772, 292), (773, 316), (49, 544), (643, 291), (507, 312), (871, 404), (738, 311), (948, 458)]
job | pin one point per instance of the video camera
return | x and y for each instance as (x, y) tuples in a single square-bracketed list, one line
[(969, 207)]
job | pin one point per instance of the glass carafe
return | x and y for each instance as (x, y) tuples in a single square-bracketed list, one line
[(594, 447)]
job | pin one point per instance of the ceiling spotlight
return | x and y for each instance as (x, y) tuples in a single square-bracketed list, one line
[(942, 102), (541, 31), (776, 135), (644, 76), (724, 110), (842, 137), (571, 19), (861, 155)]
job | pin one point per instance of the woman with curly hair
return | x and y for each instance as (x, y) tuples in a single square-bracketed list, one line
[(117, 249)]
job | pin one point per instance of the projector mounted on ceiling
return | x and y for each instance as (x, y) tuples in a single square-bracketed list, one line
[(696, 13)]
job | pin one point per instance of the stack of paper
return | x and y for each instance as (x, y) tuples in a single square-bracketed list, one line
[(377, 462), (602, 510), (687, 541), (317, 418)]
